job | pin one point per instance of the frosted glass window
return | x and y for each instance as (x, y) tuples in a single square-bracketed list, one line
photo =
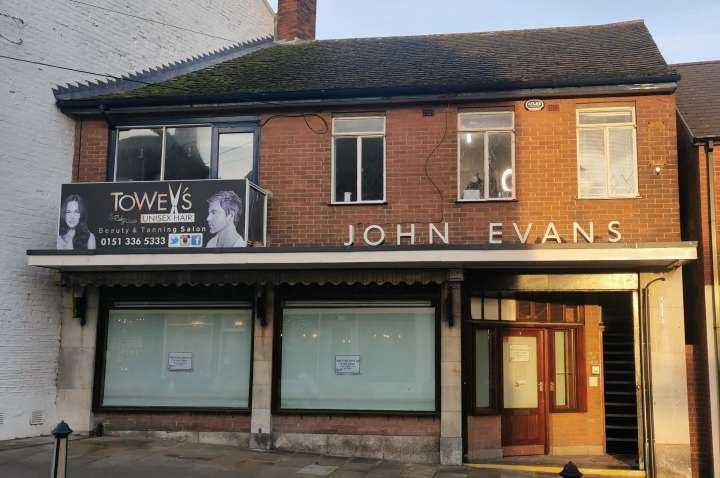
[(560, 370), (482, 368), (358, 358), (607, 165), (178, 358)]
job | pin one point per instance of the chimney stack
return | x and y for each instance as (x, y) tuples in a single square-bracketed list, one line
[(295, 20)]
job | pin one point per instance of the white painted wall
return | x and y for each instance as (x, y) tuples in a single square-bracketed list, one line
[(36, 147)]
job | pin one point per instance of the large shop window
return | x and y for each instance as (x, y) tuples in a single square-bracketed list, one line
[(177, 358), (358, 160), (367, 357), (486, 156), (185, 152), (607, 156)]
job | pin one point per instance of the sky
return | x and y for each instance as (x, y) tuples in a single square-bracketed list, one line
[(683, 30)]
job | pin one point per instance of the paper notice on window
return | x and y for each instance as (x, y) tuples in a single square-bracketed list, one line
[(519, 353), (180, 361), (347, 365)]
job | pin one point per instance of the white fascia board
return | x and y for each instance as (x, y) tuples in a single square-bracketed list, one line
[(546, 257)]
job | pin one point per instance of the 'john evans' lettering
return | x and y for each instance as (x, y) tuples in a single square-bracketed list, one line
[(374, 235)]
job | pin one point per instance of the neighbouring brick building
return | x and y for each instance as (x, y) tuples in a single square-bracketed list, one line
[(458, 250), (109, 39), (698, 130)]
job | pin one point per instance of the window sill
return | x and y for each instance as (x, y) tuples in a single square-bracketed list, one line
[(460, 201), (199, 410), (358, 203), (606, 198), (376, 413)]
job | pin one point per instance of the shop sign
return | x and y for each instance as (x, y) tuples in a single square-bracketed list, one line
[(180, 361), (161, 215), (534, 105), (347, 365), (497, 233)]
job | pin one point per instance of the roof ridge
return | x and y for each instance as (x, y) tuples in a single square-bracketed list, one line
[(489, 32), (690, 63), (160, 73)]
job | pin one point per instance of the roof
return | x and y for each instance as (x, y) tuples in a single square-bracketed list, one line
[(698, 97), (612, 54)]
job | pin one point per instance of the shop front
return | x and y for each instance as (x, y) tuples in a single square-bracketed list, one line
[(416, 354)]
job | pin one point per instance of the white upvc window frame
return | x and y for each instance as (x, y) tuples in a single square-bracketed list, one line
[(487, 131), (360, 135), (606, 127)]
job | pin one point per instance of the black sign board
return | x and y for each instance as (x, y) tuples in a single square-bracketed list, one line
[(161, 214)]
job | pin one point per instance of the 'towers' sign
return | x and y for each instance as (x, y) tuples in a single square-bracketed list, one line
[(161, 214)]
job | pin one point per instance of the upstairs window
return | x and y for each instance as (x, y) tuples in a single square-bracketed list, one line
[(358, 160), (486, 156), (185, 152), (607, 156)]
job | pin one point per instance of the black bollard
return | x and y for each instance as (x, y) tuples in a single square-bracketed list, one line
[(61, 433), (570, 471)]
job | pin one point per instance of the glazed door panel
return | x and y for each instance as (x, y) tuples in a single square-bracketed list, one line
[(523, 413)]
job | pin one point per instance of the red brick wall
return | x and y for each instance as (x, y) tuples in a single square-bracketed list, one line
[(91, 151), (696, 227), (295, 164), (295, 19), (200, 422), (357, 425)]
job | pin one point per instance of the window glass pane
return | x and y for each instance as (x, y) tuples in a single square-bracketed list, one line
[(358, 125), (358, 358), (500, 165), (482, 368), (345, 169), (472, 165), (178, 358), (524, 311), (556, 313), (474, 121), (509, 310), (622, 161), (492, 308), (372, 169), (592, 170), (476, 305), (236, 155), (187, 152), (560, 370), (604, 117), (139, 154)]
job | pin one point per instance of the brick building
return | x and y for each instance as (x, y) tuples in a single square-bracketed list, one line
[(698, 129), (463, 247), (103, 38)]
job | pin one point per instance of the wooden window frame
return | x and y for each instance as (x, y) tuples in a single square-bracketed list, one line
[(577, 394)]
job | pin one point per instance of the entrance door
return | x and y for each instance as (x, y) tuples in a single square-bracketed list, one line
[(523, 413)]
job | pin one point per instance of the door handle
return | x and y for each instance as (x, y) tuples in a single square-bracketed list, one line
[(540, 386)]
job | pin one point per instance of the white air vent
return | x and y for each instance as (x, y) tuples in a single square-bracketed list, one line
[(37, 417), (2, 418)]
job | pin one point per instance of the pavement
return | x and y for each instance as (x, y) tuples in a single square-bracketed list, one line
[(114, 457)]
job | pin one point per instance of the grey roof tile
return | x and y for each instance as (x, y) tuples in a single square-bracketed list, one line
[(618, 53), (698, 97)]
